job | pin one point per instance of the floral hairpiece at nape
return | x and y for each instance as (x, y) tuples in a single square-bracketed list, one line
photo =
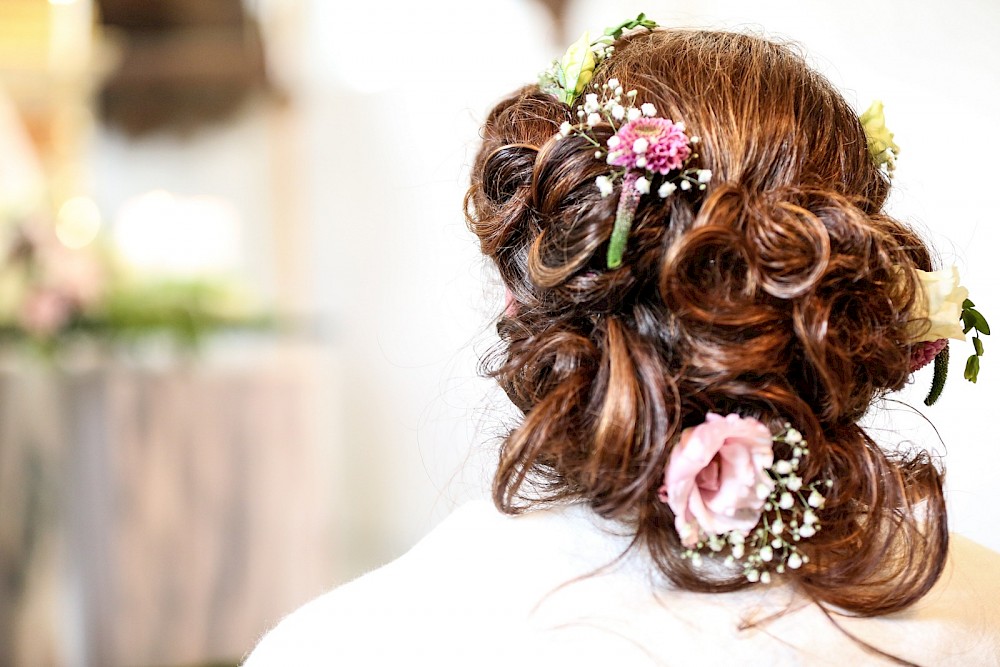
[(729, 495), (644, 148)]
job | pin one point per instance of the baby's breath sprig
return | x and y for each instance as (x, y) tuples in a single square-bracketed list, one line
[(788, 517)]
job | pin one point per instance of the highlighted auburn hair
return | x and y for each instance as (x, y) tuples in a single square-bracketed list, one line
[(782, 292)]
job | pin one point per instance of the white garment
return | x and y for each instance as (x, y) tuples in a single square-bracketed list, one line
[(488, 589)]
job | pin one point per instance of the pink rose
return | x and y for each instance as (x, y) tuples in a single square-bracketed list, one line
[(716, 480)]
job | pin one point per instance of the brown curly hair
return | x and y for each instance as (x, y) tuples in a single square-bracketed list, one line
[(781, 292)]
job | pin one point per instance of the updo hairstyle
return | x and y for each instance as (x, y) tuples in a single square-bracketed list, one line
[(781, 292)]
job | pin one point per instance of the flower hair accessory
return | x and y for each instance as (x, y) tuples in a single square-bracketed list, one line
[(643, 147), (881, 146), (728, 494), (945, 304), (945, 312), (567, 77)]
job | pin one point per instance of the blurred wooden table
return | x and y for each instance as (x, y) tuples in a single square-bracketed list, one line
[(161, 515)]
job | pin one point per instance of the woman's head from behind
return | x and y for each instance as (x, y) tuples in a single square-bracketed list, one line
[(780, 292)]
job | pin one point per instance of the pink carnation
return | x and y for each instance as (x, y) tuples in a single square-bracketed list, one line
[(662, 143), (716, 480), (924, 352)]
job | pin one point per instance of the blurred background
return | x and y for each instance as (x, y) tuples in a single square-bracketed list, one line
[(240, 312)]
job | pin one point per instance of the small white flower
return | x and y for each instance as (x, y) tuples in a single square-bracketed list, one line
[(618, 112), (565, 129), (619, 90), (809, 518), (632, 93), (807, 531), (794, 483), (598, 154), (680, 126), (753, 576), (763, 490), (591, 105), (736, 537), (704, 175), (795, 561), (665, 191), (593, 119), (640, 162), (765, 577), (776, 543), (633, 113), (642, 185), (816, 499), (793, 437), (685, 531), (648, 109), (605, 185), (613, 155), (696, 559), (640, 145), (613, 141), (777, 526), (786, 501), (797, 451), (613, 83), (738, 550), (581, 113), (685, 185), (695, 140), (766, 554), (783, 467)]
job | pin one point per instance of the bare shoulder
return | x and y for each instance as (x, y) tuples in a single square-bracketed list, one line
[(970, 582)]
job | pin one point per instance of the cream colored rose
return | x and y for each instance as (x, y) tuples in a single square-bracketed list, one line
[(577, 68), (941, 306)]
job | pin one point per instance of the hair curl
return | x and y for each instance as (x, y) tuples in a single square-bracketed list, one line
[(781, 292)]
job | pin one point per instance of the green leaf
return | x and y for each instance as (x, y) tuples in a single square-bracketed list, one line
[(979, 321), (968, 321), (641, 20), (968, 304), (978, 344), (972, 368)]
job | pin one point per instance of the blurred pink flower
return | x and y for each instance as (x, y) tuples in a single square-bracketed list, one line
[(716, 480), (44, 311), (76, 274)]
